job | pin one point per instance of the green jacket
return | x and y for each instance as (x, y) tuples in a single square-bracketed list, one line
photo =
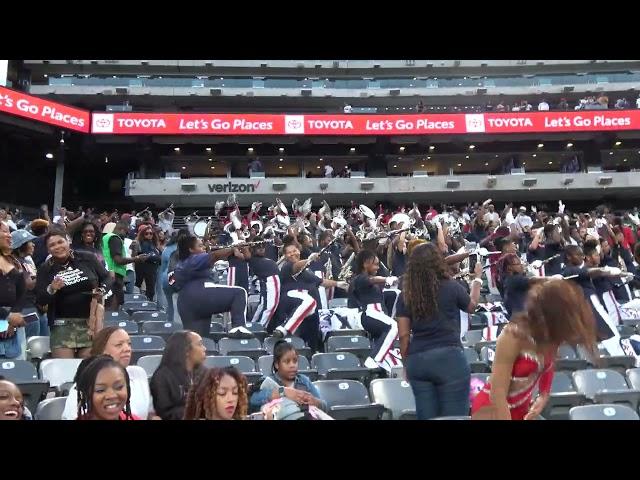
[(111, 265)]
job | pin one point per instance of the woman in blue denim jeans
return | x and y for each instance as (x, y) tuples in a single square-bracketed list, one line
[(428, 315)]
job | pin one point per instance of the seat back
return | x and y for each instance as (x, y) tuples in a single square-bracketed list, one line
[(342, 392), (471, 355), (50, 409), (567, 352), (139, 306), (18, 370), (337, 302), (562, 383), (150, 363), (336, 344), (589, 382), (130, 327), (633, 375), (59, 370), (270, 342), (238, 344), (265, 363), (164, 329), (117, 315), (602, 412), (473, 336), (147, 342), (149, 317), (394, 393), (323, 362), (243, 364), (209, 344), (38, 347)]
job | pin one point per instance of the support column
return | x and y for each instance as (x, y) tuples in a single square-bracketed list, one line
[(59, 185)]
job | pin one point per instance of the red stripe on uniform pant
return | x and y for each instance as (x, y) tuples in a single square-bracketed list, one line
[(304, 314)]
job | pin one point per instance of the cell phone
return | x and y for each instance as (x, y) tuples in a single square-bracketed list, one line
[(31, 318)]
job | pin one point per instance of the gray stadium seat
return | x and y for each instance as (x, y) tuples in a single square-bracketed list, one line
[(146, 316), (130, 327), (339, 365), (348, 400), (297, 343), (487, 354), (248, 347), (50, 409), (142, 345), (337, 302), (33, 392), (217, 331), (453, 417), (210, 346), (567, 359), (117, 315), (633, 378), (160, 328), (258, 330), (139, 306), (59, 370), (474, 362), (471, 337), (603, 412), (358, 345), (150, 363), (266, 361), (619, 363), (243, 363), (38, 347), (480, 345), (18, 370), (140, 297), (563, 398), (396, 396), (606, 386)]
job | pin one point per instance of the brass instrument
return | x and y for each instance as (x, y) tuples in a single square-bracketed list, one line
[(308, 262), (345, 272), (239, 245)]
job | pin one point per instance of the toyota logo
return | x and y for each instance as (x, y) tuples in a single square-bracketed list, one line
[(475, 122), (103, 122), (294, 124)]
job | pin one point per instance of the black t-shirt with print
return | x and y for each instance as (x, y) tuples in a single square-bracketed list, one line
[(363, 292)]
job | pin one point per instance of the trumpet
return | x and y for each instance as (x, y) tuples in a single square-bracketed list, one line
[(240, 245)]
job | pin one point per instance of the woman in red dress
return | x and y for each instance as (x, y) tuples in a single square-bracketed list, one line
[(556, 313)]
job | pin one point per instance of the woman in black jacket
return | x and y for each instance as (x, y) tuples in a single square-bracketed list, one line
[(67, 282), (180, 367), (147, 243)]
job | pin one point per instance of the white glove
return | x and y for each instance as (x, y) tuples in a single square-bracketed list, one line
[(391, 281), (534, 209), (536, 264), (560, 207), (486, 202), (614, 271), (313, 257), (343, 285), (634, 219)]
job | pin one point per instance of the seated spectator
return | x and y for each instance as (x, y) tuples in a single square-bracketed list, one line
[(543, 106), (11, 401), (220, 394), (347, 108), (180, 368), (619, 104), (115, 342), (103, 390), (638, 102), (563, 105), (515, 108), (328, 171), (500, 107), (603, 100), (420, 107), (285, 381)]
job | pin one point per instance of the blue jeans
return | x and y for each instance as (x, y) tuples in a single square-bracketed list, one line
[(161, 298), (129, 281), (39, 328), (440, 380), (168, 293)]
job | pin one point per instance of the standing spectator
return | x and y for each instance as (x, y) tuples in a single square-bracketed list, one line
[(328, 171), (638, 102), (563, 105), (619, 104), (429, 308), (526, 106), (39, 228), (22, 246), (114, 254), (515, 108), (603, 100), (420, 107), (89, 241), (147, 269), (255, 166), (67, 283), (491, 215), (543, 106), (347, 108), (12, 292), (500, 107)]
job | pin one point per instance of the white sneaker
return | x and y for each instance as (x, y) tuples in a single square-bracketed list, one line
[(240, 332), (371, 363), (280, 332)]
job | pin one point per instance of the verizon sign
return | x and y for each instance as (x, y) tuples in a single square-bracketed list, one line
[(412, 124), (34, 108)]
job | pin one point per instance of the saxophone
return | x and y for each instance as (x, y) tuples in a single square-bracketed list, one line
[(345, 272)]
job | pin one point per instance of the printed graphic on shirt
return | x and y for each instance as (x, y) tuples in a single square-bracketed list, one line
[(72, 276)]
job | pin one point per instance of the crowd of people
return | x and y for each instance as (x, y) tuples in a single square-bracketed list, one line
[(410, 278)]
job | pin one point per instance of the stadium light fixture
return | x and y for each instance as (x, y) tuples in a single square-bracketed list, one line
[(540, 145), (176, 149), (471, 147), (569, 145), (49, 156), (618, 143), (208, 149)]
